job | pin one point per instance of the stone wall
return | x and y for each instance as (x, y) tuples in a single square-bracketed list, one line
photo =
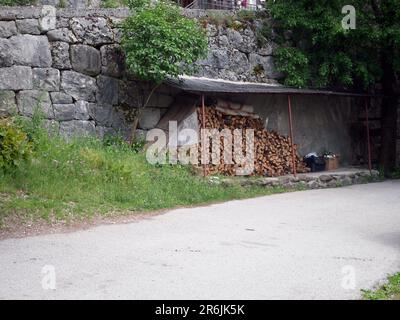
[(69, 62), (314, 180), (235, 55)]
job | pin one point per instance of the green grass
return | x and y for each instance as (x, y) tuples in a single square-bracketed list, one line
[(388, 291), (17, 2), (86, 177), (113, 3)]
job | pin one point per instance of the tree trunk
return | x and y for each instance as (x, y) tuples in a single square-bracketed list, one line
[(389, 117), (134, 126), (139, 114)]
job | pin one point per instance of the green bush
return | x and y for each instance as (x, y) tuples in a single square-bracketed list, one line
[(246, 15), (15, 147), (294, 65), (396, 173)]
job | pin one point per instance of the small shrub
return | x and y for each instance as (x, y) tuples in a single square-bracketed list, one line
[(62, 4), (237, 25), (396, 173), (138, 145), (114, 140), (113, 3), (34, 129), (258, 70), (93, 158), (388, 291), (117, 141), (246, 15), (15, 147), (219, 19)]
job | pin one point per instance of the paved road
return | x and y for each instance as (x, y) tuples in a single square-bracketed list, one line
[(320, 244)]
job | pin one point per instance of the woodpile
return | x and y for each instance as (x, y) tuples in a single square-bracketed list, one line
[(273, 154)]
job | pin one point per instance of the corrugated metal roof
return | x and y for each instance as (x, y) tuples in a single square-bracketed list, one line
[(207, 85)]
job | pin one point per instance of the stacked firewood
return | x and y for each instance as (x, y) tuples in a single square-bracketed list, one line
[(272, 151)]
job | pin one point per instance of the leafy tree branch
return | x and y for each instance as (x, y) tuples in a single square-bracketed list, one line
[(160, 42)]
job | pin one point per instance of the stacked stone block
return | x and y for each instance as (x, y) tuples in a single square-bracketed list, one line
[(70, 64)]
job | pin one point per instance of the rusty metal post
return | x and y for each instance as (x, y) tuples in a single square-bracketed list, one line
[(368, 136), (203, 143), (291, 136)]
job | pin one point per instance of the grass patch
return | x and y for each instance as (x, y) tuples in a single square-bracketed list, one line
[(17, 2), (388, 291), (113, 3), (86, 177)]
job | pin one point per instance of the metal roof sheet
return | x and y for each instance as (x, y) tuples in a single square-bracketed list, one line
[(207, 85)]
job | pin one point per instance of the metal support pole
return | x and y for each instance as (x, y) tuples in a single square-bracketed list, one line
[(291, 136), (203, 143), (368, 136)]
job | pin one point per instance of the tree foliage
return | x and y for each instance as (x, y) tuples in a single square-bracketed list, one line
[(316, 51), (311, 37), (160, 42), (15, 147)]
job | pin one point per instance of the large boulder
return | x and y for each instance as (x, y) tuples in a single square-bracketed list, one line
[(64, 112), (77, 128), (62, 34), (46, 79), (6, 60), (7, 103), (79, 86), (82, 110), (48, 18), (107, 116), (93, 31), (60, 54), (28, 50), (29, 100), (238, 63), (112, 61), (72, 111), (16, 78), (149, 118), (242, 41), (217, 59), (7, 29), (102, 114), (107, 92), (267, 65), (60, 98), (128, 94), (85, 59), (28, 26)]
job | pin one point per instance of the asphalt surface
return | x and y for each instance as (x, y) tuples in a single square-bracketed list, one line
[(319, 244)]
